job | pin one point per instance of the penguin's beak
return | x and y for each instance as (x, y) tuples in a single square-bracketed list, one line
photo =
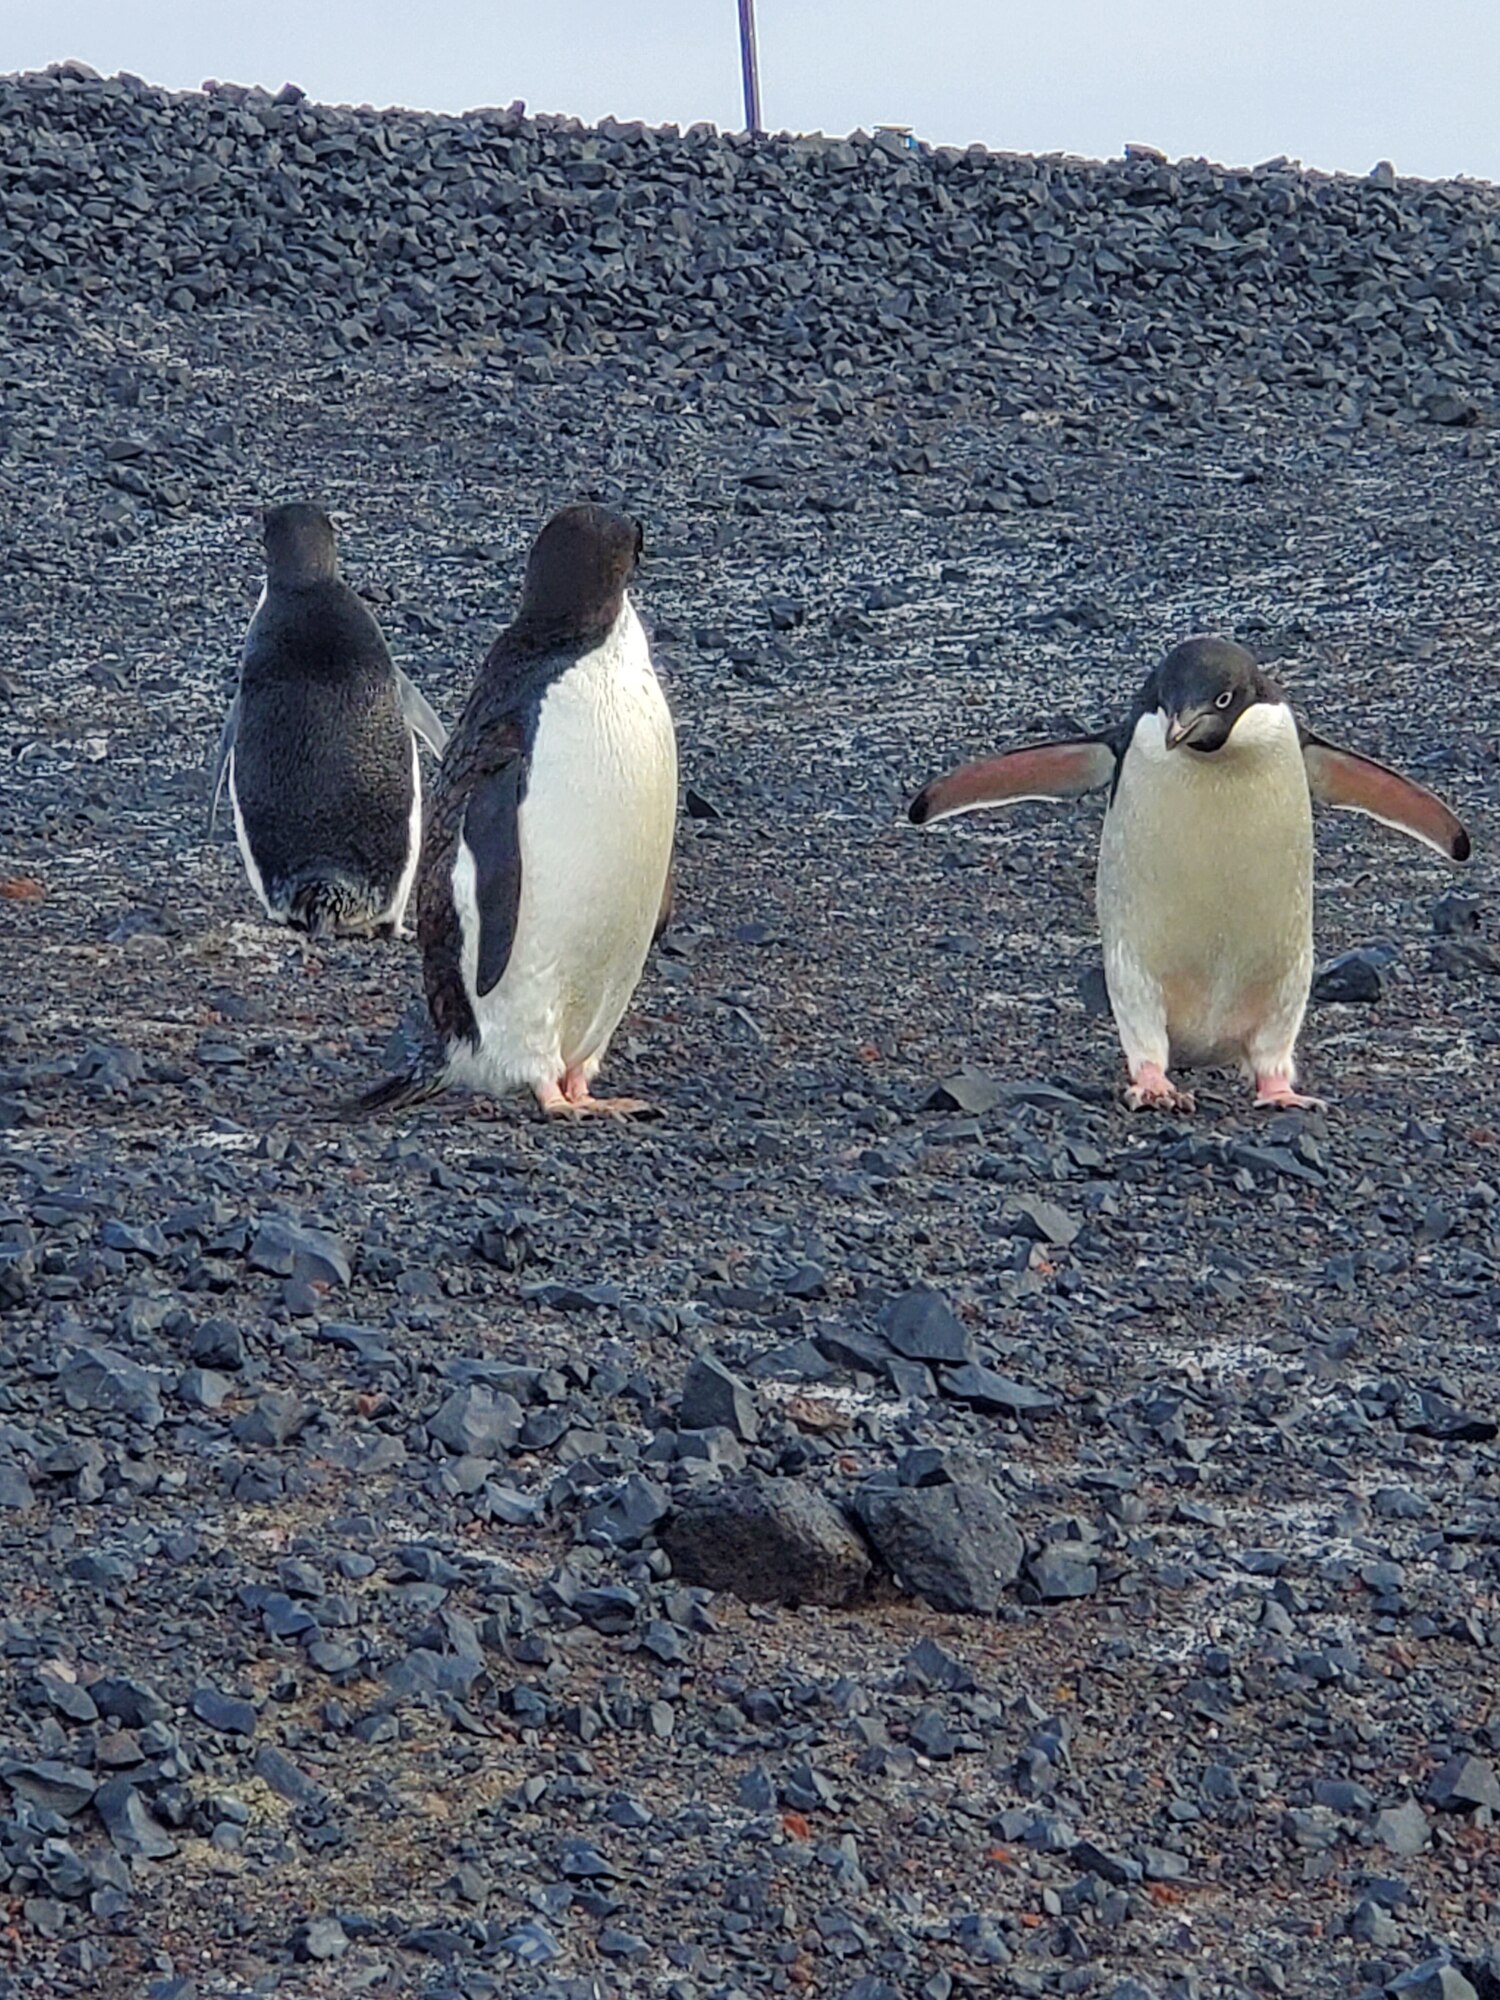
[(1184, 726)]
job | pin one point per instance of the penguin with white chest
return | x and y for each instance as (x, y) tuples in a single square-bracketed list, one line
[(319, 749), (1205, 879), (547, 869)]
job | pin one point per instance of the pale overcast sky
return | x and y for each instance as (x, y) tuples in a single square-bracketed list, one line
[(1334, 83)]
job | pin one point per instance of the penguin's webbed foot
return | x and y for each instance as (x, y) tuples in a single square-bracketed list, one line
[(571, 1099), (1275, 1093), (1151, 1089)]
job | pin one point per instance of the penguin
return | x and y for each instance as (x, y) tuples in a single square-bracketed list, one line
[(547, 868), (319, 748), (1204, 889)]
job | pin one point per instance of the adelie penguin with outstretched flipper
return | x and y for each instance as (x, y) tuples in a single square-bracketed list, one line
[(547, 868), (319, 749), (1205, 881)]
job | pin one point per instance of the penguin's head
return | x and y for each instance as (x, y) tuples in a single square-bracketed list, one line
[(1204, 688), (300, 546), (579, 568)]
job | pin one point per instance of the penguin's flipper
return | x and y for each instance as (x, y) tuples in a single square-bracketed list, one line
[(1345, 779), (420, 719), (491, 834), (1063, 770), (667, 904), (222, 756)]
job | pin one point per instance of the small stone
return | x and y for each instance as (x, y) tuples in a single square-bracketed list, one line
[(227, 1713), (475, 1421), (274, 1419), (101, 1378), (1464, 1783), (1058, 1574), (1353, 978), (1433, 1979), (1370, 1924), (61, 1788), (986, 1389), (920, 1326), (970, 1091), (1042, 1221), (128, 1822), (290, 1250), (320, 1939), (1454, 915), (713, 1398), (1402, 1829)]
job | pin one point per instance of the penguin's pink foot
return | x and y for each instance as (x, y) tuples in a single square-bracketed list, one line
[(1275, 1093), (571, 1099), (1151, 1089)]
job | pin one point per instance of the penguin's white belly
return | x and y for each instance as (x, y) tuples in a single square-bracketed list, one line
[(247, 852), (595, 832), (394, 912), (1205, 896)]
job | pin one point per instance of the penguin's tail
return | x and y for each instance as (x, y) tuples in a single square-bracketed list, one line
[(324, 905), (425, 1070), (395, 1093)]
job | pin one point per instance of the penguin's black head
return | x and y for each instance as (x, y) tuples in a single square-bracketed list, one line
[(300, 547), (578, 570), (1203, 687)]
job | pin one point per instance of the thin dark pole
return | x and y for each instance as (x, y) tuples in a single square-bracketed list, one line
[(749, 66)]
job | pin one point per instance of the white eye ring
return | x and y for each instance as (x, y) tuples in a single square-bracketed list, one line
[(1223, 700)]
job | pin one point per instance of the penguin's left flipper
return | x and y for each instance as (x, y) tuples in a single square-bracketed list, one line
[(222, 756), (667, 905), (1345, 779), (1063, 770), (419, 716), (492, 835)]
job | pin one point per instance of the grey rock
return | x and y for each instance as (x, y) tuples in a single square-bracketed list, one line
[(955, 1545), (1351, 978), (320, 1940), (715, 1399), (1043, 1221), (44, 1782), (986, 1389), (769, 1540), (275, 1418), (921, 1326), (101, 1378), (970, 1091), (228, 1713), (1060, 1573), (1433, 1979), (477, 1422), (293, 1250), (1463, 1783), (128, 1821)]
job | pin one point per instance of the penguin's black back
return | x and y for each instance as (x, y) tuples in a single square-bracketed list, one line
[(323, 756)]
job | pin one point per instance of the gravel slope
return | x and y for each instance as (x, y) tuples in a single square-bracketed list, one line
[(342, 1648)]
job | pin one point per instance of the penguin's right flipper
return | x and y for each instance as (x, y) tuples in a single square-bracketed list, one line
[(222, 756), (1063, 770), (1347, 780), (420, 718), (667, 904), (491, 834)]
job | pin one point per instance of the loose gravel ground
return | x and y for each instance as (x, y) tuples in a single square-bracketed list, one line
[(895, 1526)]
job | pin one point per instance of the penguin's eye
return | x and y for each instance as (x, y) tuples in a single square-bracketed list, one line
[(1223, 700)]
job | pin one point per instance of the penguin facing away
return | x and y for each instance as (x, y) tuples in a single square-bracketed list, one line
[(1204, 887), (319, 748), (547, 868)]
